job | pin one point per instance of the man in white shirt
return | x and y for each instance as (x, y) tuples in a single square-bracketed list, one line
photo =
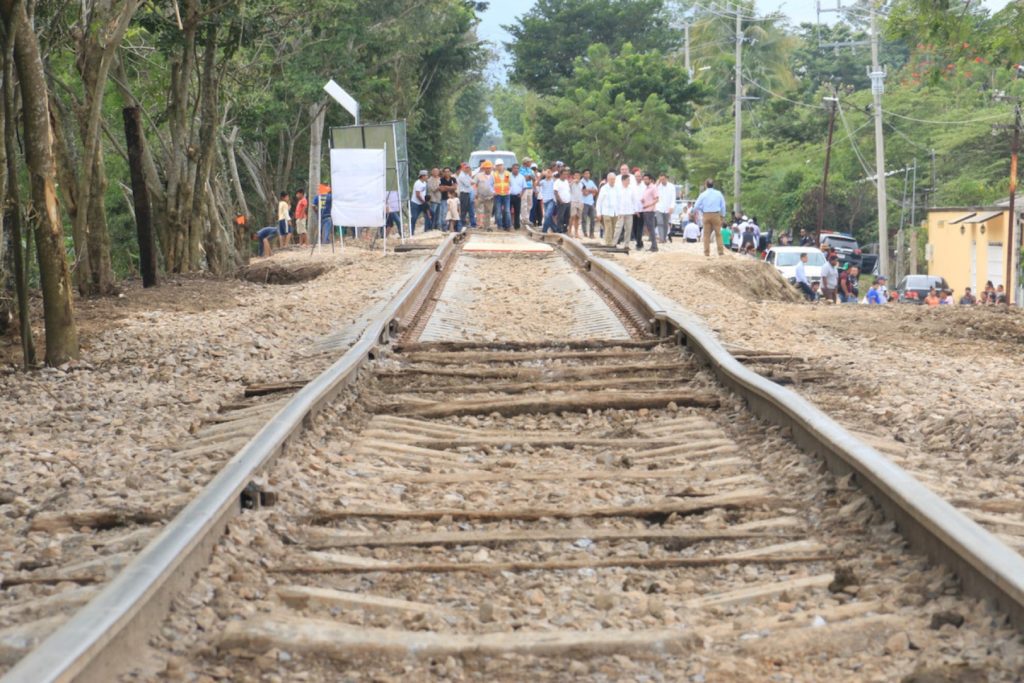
[(637, 187), (626, 208), (563, 200), (419, 203), (517, 185), (691, 231), (607, 207), (464, 183), (666, 205)]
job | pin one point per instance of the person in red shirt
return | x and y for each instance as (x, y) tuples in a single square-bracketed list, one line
[(301, 216)]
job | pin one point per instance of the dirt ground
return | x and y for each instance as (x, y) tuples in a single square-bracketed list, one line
[(938, 390)]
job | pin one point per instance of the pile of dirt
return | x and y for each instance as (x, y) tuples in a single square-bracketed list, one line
[(753, 280), (277, 273), (989, 323)]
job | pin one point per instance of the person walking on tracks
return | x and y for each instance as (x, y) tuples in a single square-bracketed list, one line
[(483, 183), (711, 204), (608, 208), (502, 196), (649, 206)]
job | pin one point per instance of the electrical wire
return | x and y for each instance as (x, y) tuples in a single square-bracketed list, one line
[(781, 97), (947, 123), (853, 143)]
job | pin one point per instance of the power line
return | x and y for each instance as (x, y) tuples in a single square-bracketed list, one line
[(781, 97), (953, 123), (853, 143)]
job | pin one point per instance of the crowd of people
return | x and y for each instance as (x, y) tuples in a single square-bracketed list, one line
[(556, 199)]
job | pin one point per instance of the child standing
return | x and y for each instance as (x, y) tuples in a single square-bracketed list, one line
[(453, 212)]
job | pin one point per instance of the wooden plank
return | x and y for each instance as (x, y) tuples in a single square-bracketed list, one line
[(332, 538), (674, 562), (802, 547), (698, 446), (583, 344), (575, 402), (764, 590), (522, 356), (334, 639), (734, 499), (549, 373), (378, 437), (301, 597), (526, 387), (274, 387), (513, 476), (99, 518)]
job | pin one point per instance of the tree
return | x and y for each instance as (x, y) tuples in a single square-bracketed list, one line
[(628, 108), (55, 278), (549, 37)]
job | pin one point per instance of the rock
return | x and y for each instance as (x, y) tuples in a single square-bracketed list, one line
[(939, 619), (486, 613), (534, 597), (897, 643), (604, 601), (844, 576)]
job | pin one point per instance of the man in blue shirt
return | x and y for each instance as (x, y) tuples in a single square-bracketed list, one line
[(589, 215), (711, 205), (526, 199), (875, 294), (326, 224), (547, 195)]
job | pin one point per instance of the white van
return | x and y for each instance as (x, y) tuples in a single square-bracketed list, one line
[(481, 155)]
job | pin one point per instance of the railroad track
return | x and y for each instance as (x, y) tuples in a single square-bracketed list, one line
[(595, 504)]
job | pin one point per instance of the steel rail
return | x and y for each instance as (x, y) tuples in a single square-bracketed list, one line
[(987, 568), (100, 639)]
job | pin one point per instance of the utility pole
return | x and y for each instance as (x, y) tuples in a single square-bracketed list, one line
[(737, 134), (831, 104), (1012, 238), (877, 88), (1011, 241)]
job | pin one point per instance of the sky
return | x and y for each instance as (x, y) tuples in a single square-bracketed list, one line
[(502, 12)]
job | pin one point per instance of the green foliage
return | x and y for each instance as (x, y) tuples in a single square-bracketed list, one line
[(553, 33), (612, 112)]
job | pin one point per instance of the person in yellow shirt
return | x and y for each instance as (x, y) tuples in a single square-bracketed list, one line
[(283, 219), (502, 196)]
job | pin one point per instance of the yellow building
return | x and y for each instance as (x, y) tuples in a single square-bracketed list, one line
[(967, 245)]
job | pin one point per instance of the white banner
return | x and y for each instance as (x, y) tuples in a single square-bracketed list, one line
[(358, 183)]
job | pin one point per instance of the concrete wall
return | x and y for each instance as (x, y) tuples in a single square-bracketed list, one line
[(966, 253)]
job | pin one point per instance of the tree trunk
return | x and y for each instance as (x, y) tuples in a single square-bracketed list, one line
[(68, 163), (242, 206), (97, 45), (55, 278), (206, 152), (140, 196), (154, 183), (179, 191), (317, 113)]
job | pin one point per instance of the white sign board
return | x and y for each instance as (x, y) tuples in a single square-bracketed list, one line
[(358, 180), (343, 98)]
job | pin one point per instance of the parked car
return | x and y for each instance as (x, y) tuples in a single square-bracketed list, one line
[(785, 260), (914, 288), (478, 157), (846, 248)]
